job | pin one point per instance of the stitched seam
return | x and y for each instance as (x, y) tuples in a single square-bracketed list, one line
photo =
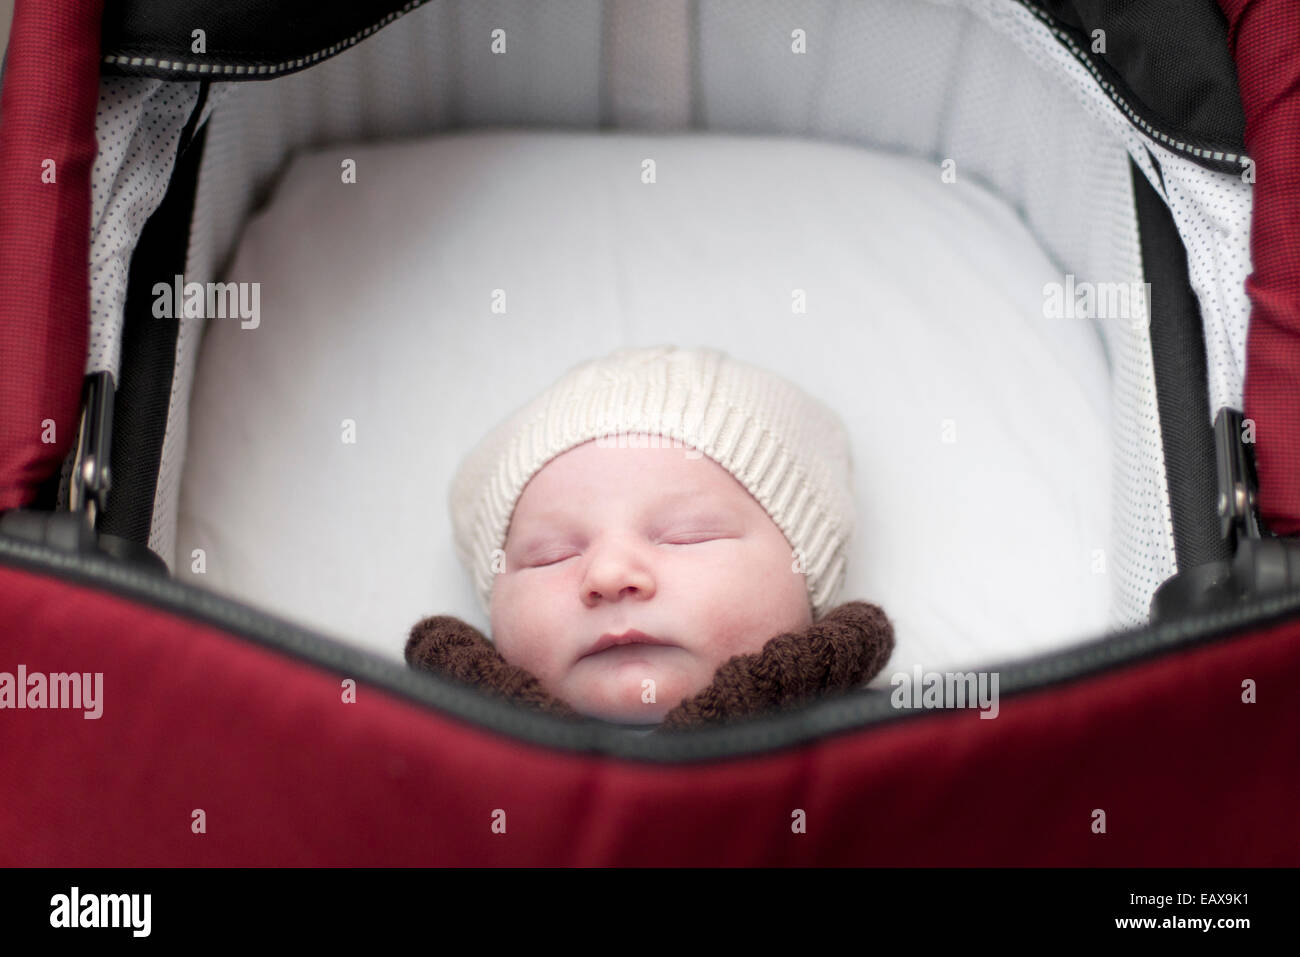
[(1182, 146), (185, 66)]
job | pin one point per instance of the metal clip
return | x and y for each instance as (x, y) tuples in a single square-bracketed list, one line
[(91, 480), (1238, 484)]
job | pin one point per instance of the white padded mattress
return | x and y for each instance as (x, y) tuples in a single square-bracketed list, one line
[(980, 427)]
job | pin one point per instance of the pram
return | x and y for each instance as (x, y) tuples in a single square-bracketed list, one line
[(1169, 723)]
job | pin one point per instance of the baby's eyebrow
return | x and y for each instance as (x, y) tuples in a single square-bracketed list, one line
[(697, 505), (688, 495)]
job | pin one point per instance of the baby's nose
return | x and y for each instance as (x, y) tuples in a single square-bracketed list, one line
[(614, 573)]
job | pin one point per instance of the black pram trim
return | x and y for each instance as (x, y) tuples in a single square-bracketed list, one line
[(1168, 67)]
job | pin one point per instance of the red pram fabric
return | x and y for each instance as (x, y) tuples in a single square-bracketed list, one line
[(1265, 42), (47, 112), (286, 773)]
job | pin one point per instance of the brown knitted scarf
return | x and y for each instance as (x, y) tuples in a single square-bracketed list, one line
[(838, 653)]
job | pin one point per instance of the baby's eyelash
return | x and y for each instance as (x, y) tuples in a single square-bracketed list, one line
[(684, 538), (553, 561), (694, 539)]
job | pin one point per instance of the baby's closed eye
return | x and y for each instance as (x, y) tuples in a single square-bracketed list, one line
[(694, 538), (696, 532), (555, 557), (549, 559)]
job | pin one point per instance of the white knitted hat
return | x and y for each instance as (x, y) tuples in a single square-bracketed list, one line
[(789, 450)]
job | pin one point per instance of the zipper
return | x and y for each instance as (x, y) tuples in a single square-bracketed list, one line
[(171, 68), (1221, 159), (847, 713)]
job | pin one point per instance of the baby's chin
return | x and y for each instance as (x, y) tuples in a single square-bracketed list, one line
[(633, 691)]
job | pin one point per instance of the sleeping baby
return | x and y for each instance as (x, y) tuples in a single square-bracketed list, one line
[(658, 540)]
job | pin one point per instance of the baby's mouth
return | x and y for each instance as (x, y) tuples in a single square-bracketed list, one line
[(632, 637)]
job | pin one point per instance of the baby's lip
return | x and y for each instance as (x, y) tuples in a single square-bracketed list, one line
[(630, 637)]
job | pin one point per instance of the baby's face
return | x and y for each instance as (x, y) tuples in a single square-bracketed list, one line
[(663, 541)]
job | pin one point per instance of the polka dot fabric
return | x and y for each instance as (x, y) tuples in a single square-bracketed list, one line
[(1213, 215), (138, 124)]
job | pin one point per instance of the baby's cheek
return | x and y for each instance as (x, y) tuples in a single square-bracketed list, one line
[(531, 628), (774, 600), (785, 592), (509, 624), (734, 628)]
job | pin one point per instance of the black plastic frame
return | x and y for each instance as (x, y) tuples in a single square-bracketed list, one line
[(148, 363), (1182, 382)]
